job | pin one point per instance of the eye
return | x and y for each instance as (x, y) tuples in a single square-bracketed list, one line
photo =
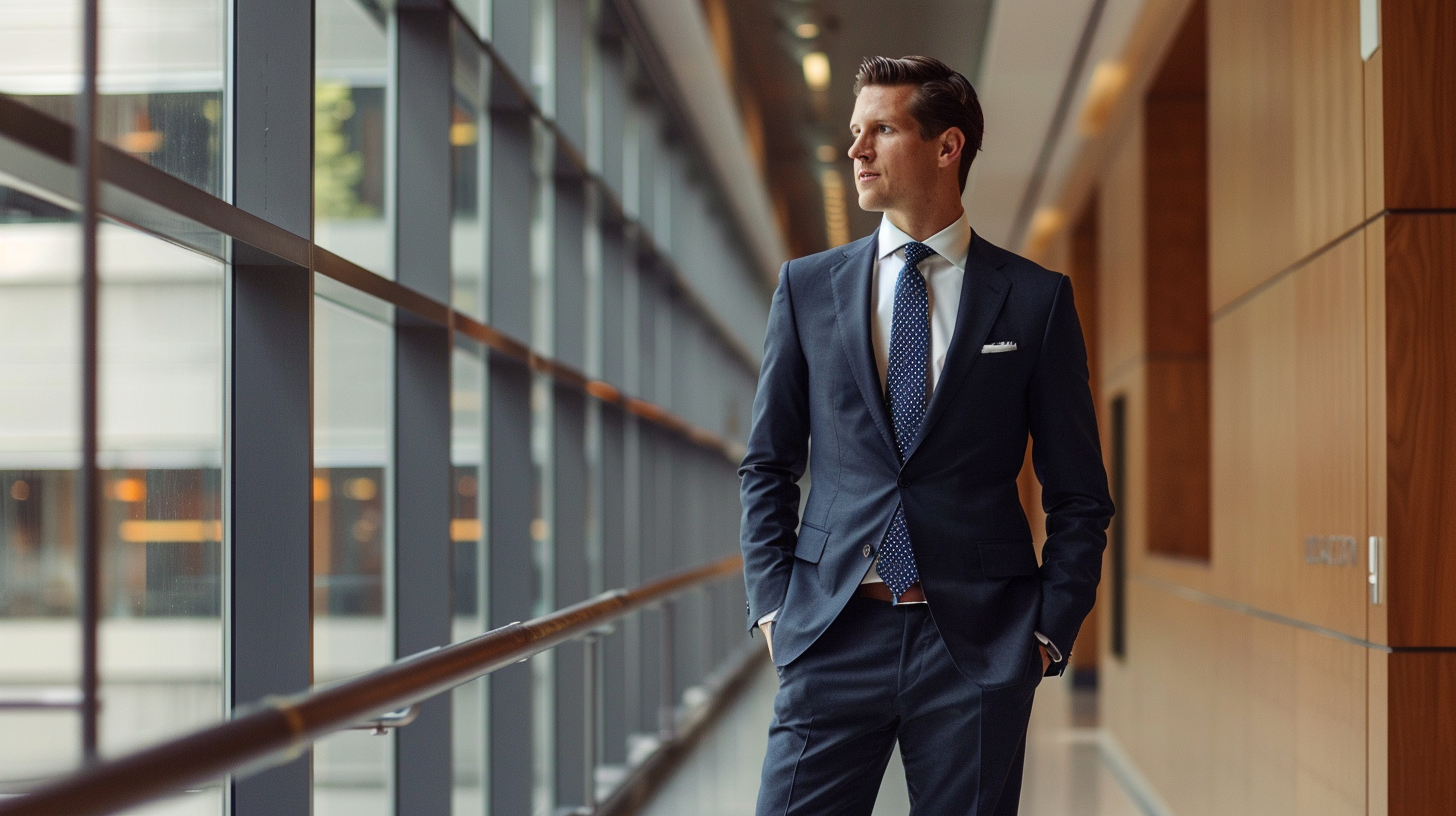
[(884, 128)]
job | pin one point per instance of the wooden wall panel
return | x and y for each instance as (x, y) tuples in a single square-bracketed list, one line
[(1120, 253), (1225, 713), (1250, 144), (1329, 121), (1330, 446), (1377, 740), (1286, 135), (1420, 368), (1331, 726), (1419, 84), (1255, 462), (1422, 732), (1175, 191), (1178, 496), (1289, 445), (1376, 614)]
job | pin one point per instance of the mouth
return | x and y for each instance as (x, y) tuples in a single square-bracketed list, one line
[(866, 176)]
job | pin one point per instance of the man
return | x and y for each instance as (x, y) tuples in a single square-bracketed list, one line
[(909, 604)]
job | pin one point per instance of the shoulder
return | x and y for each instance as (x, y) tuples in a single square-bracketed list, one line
[(1025, 274), (819, 264)]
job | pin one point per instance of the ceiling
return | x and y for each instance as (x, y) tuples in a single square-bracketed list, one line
[(1022, 56)]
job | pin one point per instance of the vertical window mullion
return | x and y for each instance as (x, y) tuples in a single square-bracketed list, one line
[(268, 442)]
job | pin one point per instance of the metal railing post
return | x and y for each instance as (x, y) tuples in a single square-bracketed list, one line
[(591, 687), (667, 681), (589, 724)]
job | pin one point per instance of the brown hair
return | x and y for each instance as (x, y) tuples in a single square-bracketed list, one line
[(943, 98)]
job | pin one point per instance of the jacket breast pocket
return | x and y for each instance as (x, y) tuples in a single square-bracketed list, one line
[(1004, 559), (810, 546)]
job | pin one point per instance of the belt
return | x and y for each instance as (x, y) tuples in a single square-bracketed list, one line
[(880, 592)]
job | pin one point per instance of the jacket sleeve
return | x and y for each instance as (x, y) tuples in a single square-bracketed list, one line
[(1067, 457), (778, 448)]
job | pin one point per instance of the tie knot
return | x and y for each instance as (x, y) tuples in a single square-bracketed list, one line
[(915, 252)]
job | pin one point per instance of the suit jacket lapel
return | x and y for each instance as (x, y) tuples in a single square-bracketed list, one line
[(983, 291), (851, 280)]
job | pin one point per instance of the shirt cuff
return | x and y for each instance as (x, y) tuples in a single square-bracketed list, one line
[(769, 618), (1052, 651)]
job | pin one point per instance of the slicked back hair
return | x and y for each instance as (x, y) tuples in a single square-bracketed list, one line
[(943, 98)]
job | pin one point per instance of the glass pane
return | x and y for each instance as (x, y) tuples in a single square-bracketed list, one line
[(161, 458), (161, 77), (40, 417), (353, 395), (468, 131), (478, 13), (467, 443), (351, 73)]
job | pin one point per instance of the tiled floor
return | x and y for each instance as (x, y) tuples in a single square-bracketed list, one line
[(1068, 773)]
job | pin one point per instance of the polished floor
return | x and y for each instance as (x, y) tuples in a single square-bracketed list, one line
[(1072, 767)]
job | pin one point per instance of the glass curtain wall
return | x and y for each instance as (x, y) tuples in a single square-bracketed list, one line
[(353, 399), (584, 226), (161, 76), (351, 132), (467, 538), (40, 416)]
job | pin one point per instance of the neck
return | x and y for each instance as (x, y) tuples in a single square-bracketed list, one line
[(926, 221)]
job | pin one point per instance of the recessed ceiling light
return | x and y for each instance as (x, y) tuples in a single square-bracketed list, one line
[(827, 153), (816, 70), (807, 31)]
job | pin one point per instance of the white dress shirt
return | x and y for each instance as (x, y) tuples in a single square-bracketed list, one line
[(944, 273)]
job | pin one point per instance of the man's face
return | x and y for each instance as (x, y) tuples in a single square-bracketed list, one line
[(893, 166)]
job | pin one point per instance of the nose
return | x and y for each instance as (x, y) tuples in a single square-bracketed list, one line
[(860, 148)]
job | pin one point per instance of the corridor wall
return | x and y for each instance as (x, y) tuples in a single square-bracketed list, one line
[(1273, 676)]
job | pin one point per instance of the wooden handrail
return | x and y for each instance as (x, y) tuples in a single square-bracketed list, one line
[(288, 725)]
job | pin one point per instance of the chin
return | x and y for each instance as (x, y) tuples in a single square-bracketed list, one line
[(869, 202)]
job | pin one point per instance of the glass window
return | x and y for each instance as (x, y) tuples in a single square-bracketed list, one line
[(467, 456), (477, 12), (161, 75), (40, 416), (351, 134), (161, 424), (469, 170), (353, 399), (161, 415)]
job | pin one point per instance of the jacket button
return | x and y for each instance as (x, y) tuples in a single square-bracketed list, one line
[(867, 551), (903, 481)]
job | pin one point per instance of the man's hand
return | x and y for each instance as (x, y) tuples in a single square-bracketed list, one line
[(768, 638), (1046, 659)]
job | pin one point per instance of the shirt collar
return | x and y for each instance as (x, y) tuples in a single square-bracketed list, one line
[(952, 243)]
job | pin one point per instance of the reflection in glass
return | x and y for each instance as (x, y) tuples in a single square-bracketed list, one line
[(161, 453), (468, 132), (351, 70), (39, 452), (161, 458), (161, 77), (467, 446), (353, 395)]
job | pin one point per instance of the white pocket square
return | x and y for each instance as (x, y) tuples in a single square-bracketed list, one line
[(997, 348)]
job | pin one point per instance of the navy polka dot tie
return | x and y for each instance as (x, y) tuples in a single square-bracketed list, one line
[(906, 383)]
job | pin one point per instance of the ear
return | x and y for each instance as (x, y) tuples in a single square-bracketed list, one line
[(952, 142)]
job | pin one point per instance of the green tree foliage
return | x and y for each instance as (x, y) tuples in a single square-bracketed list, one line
[(337, 170)]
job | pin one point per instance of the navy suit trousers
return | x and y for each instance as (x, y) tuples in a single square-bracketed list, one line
[(879, 674)]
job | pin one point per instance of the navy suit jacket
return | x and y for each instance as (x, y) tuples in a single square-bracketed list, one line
[(978, 567)]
